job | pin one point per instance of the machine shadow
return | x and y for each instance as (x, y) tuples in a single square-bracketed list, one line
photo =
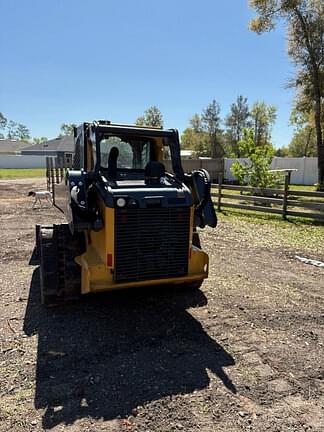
[(108, 354)]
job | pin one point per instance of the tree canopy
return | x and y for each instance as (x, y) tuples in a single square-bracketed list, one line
[(206, 137), (236, 121), (263, 117), (13, 130), (195, 138), (211, 122), (67, 129), (303, 143), (152, 117)]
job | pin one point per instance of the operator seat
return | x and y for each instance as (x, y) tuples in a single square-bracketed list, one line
[(153, 172), (112, 163)]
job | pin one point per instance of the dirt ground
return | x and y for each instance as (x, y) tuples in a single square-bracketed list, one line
[(245, 353)]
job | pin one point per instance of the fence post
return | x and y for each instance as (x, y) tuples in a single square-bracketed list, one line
[(285, 197), (48, 180), (51, 169), (61, 169), (57, 172), (219, 201)]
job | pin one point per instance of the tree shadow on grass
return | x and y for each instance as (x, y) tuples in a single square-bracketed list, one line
[(112, 352)]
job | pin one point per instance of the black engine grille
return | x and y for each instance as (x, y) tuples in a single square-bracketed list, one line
[(151, 243)]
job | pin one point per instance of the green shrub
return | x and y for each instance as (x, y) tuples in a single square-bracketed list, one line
[(255, 172)]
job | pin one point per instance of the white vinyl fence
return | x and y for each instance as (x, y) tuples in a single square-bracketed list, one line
[(22, 161), (213, 166), (306, 175), (306, 166)]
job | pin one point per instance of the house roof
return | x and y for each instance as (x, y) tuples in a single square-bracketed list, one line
[(10, 146), (62, 144)]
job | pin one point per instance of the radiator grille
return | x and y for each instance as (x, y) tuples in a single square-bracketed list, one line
[(151, 243)]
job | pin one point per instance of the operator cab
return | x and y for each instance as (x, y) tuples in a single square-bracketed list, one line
[(127, 164), (126, 153), (130, 162)]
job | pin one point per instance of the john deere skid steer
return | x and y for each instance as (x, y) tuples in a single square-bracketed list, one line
[(130, 221)]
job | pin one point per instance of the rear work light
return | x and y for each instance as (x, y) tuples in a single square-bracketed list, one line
[(109, 260)]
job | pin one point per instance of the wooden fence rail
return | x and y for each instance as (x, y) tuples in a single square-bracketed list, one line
[(275, 201)]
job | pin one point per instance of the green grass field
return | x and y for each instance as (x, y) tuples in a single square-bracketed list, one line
[(266, 218), (297, 233), (21, 173), (302, 188)]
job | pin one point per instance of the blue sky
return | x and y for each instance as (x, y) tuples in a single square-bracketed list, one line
[(71, 61)]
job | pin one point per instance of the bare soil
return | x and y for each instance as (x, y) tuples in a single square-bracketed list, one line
[(245, 353)]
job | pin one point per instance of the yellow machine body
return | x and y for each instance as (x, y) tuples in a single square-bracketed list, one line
[(97, 263), (132, 215)]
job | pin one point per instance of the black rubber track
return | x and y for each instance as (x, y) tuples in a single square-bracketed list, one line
[(60, 276)]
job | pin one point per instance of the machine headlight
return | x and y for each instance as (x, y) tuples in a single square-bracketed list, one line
[(121, 202)]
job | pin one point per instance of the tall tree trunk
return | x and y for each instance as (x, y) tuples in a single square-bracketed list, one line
[(318, 127), (216, 148), (320, 144), (307, 143), (213, 141), (256, 130), (238, 151)]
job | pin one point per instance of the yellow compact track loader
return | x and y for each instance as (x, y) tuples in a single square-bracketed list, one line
[(130, 222)]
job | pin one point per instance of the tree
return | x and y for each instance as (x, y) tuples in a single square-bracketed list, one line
[(262, 119), (67, 129), (282, 152), (211, 121), (195, 122), (190, 140), (152, 117), (236, 121), (23, 132), (255, 172), (17, 131), (3, 124), (305, 28), (303, 106), (12, 129), (3, 121), (39, 140), (303, 143), (195, 139)]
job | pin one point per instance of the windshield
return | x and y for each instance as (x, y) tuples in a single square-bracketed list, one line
[(130, 153)]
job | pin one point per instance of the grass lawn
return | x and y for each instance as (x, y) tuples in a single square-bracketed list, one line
[(8, 173), (311, 188), (297, 233), (295, 230), (302, 188)]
